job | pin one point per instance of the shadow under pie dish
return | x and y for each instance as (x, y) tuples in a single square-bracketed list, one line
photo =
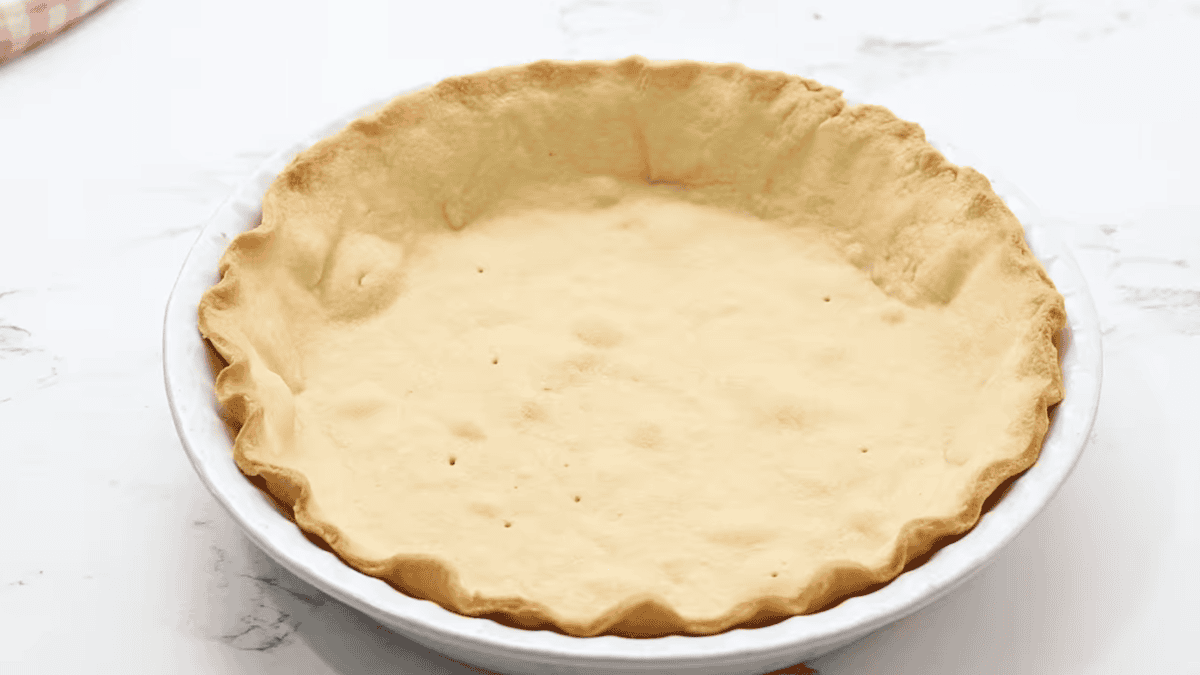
[(633, 348)]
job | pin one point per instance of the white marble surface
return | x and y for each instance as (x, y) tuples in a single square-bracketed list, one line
[(120, 138)]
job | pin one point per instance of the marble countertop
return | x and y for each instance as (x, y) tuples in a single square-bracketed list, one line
[(119, 139)]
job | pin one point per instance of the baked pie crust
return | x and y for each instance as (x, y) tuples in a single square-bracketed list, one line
[(633, 347)]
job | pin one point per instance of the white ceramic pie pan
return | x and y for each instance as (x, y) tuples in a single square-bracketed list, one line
[(484, 643)]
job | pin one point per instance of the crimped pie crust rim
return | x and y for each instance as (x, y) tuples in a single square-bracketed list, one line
[(979, 500)]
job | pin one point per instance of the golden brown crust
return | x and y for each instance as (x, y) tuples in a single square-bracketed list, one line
[(679, 123)]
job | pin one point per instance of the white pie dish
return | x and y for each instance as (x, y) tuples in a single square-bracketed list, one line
[(481, 642)]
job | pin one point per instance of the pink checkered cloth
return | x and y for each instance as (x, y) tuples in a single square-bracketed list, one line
[(29, 24)]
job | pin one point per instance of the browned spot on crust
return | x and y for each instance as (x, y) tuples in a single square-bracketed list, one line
[(631, 67), (531, 411), (369, 128), (468, 430), (902, 129), (404, 112), (764, 86), (598, 333), (674, 75), (555, 74), (252, 245), (476, 91), (787, 417), (299, 176), (981, 205), (463, 86), (305, 171), (931, 161)]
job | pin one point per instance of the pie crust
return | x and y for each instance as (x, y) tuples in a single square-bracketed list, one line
[(635, 348)]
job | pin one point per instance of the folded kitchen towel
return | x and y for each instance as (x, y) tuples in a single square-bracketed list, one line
[(28, 24)]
